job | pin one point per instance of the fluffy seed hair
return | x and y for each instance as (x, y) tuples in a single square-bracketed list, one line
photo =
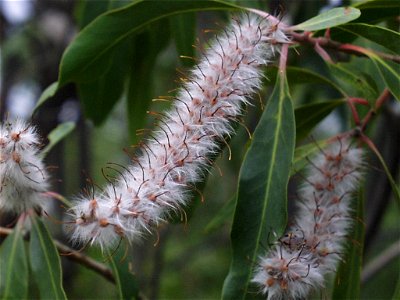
[(23, 178), (313, 246), (177, 152)]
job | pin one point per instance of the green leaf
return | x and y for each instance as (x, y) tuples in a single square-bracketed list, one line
[(183, 29), (146, 48), (352, 83), (394, 186), (49, 92), (13, 267), (329, 19), (94, 44), (125, 280), (385, 37), (309, 115), (56, 135), (100, 95), (389, 71), (347, 283), (377, 10), (396, 294), (222, 216), (45, 262), (262, 189)]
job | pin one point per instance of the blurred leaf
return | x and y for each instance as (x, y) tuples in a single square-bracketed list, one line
[(91, 50), (222, 216), (125, 280), (396, 294), (393, 184), (385, 37), (303, 152), (183, 28), (328, 19), (146, 47), (13, 267), (309, 115), (262, 189), (347, 283), (353, 84), (56, 135), (390, 73), (377, 10), (49, 92), (45, 262)]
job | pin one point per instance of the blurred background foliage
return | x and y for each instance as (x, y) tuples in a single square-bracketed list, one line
[(190, 260)]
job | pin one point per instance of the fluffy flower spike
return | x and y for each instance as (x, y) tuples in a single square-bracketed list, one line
[(23, 178), (312, 247), (177, 153)]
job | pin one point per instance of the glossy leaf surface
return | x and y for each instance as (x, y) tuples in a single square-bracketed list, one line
[(261, 202), (45, 262)]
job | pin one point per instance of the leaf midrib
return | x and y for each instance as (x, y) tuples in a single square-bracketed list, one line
[(268, 181)]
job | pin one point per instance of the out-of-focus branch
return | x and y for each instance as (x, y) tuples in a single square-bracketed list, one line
[(380, 262)]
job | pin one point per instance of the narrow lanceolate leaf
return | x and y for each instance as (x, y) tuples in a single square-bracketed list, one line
[(49, 92), (377, 10), (309, 115), (13, 267), (347, 283), (388, 70), (125, 280), (45, 262), (56, 135), (352, 83), (383, 36), (328, 19), (89, 53), (261, 202)]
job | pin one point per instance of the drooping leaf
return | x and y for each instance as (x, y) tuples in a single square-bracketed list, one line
[(352, 83), (328, 19), (261, 202), (347, 283), (383, 36), (13, 267), (377, 10), (309, 115), (56, 135), (390, 73), (49, 92), (45, 262), (222, 216), (183, 28), (92, 48), (127, 285)]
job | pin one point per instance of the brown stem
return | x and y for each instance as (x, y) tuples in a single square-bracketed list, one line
[(379, 102), (306, 38), (76, 256)]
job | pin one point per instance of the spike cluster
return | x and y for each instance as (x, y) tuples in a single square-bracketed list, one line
[(23, 178), (312, 247), (178, 152)]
